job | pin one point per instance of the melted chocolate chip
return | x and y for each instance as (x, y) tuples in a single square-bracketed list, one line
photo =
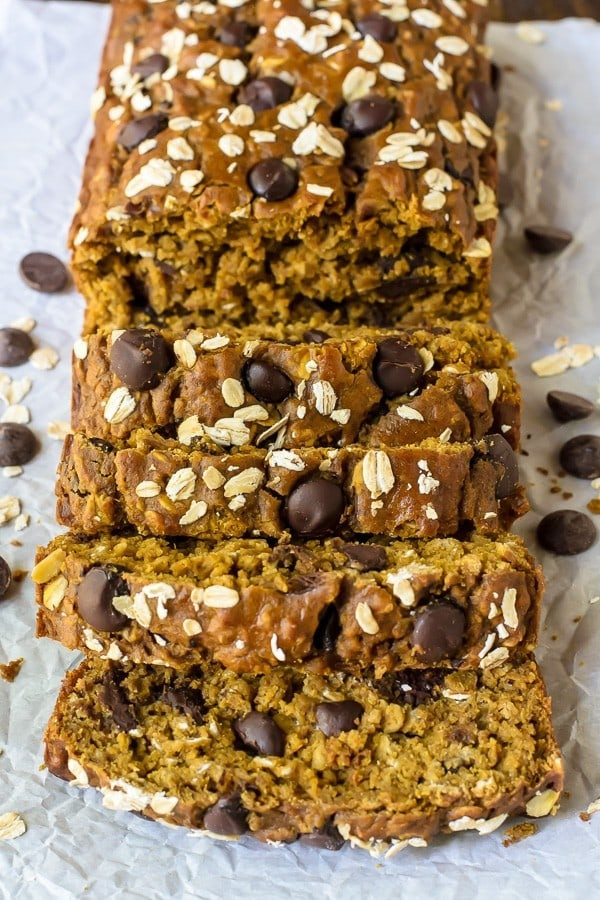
[(334, 718), (438, 631), (15, 347), (266, 381), (500, 451), (328, 630), (115, 698), (581, 456), (366, 557), (186, 699), (133, 133), (236, 34), (485, 101), (17, 444), (44, 272), (566, 532), (366, 115), (315, 336), (227, 816), (398, 367), (139, 357), (258, 732), (379, 27), (569, 407), (95, 595), (326, 838), (265, 93), (5, 576), (156, 63), (273, 180), (546, 239), (315, 507), (411, 686)]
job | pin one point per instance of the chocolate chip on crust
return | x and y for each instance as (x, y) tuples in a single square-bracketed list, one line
[(485, 101), (326, 838), (265, 93), (377, 26), (438, 631), (151, 65), (336, 717), (139, 357), (272, 179), (133, 133), (500, 451), (315, 507), (366, 115), (366, 557), (398, 367), (315, 336), (95, 595), (266, 381), (236, 33), (260, 733), (227, 816)]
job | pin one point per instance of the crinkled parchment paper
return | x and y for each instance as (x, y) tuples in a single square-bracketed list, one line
[(73, 847)]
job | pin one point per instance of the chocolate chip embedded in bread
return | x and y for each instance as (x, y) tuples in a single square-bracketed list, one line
[(398, 367), (236, 34), (140, 357), (266, 381), (260, 733), (366, 115), (95, 597), (546, 239), (315, 336), (186, 699), (411, 686), (566, 532), (18, 444), (227, 816), (438, 631), (485, 101), (44, 272), (328, 630), (500, 451), (114, 697), (581, 456), (5, 576), (156, 63), (273, 180), (377, 26), (15, 347), (326, 838), (315, 507), (366, 557), (133, 133), (334, 718), (265, 93), (568, 407)]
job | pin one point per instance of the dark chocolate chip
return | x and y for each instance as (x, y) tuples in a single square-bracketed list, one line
[(44, 272), (398, 367), (379, 27), (15, 347), (506, 191), (402, 287), (236, 34), (95, 595), (133, 133), (411, 686), (327, 838), (546, 239), (272, 179), (186, 699), (315, 507), (266, 381), (569, 407), (139, 357), (333, 718), (500, 451), (366, 115), (328, 630), (17, 444), (157, 62), (114, 697), (265, 93), (485, 101), (495, 75), (366, 557), (566, 532), (581, 456), (315, 336), (5, 576), (227, 816), (260, 733), (438, 631)]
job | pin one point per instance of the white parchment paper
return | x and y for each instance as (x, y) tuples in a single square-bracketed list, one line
[(49, 54)]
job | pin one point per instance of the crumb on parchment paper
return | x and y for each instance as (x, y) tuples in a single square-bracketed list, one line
[(9, 671), (519, 833)]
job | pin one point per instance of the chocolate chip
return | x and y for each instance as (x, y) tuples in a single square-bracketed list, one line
[(366, 557), (133, 133), (366, 115), (15, 347), (266, 381), (157, 62), (227, 816), (236, 34), (260, 733), (485, 101), (272, 179), (566, 532), (139, 357), (328, 630), (403, 287), (327, 838), (581, 456), (569, 407), (265, 93), (438, 631), (495, 75), (114, 697), (333, 718), (95, 595), (379, 27), (17, 444), (44, 272), (398, 367), (500, 451), (315, 507), (411, 686), (546, 239), (186, 699), (5, 576), (315, 336)]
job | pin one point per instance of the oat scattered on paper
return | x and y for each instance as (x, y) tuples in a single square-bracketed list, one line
[(12, 825), (530, 33)]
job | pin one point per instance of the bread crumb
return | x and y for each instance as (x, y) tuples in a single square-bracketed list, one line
[(10, 671), (519, 833)]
